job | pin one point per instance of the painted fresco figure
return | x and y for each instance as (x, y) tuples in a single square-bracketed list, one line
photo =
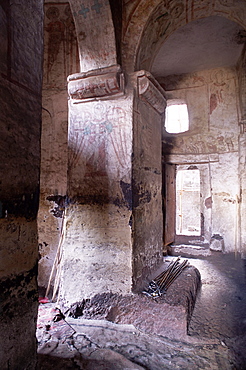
[(55, 29)]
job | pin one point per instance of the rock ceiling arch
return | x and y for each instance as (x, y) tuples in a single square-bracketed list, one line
[(151, 23), (206, 43), (95, 33)]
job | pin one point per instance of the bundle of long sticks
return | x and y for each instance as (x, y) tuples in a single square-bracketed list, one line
[(162, 282), (56, 268)]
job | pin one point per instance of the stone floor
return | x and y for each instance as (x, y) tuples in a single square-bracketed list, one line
[(216, 338)]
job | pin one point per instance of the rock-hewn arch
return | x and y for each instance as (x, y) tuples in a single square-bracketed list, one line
[(95, 32), (150, 24)]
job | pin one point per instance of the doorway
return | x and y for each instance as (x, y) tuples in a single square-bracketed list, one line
[(188, 205)]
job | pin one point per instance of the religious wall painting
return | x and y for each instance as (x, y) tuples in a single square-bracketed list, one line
[(97, 48), (176, 9), (168, 16), (217, 77), (200, 144), (157, 28), (98, 137), (129, 7), (228, 3), (223, 105), (60, 45), (200, 9), (89, 8), (217, 95)]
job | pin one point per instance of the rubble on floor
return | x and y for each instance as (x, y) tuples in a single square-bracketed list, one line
[(87, 343), (99, 344), (167, 313)]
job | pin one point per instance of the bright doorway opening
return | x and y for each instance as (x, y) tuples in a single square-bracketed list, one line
[(188, 203)]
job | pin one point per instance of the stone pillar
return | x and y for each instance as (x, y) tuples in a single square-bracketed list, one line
[(242, 151), (97, 248), (113, 236), (149, 106), (242, 172)]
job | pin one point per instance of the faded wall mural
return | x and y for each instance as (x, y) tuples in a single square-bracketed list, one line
[(99, 147), (96, 35), (146, 25), (93, 129), (60, 45), (214, 117)]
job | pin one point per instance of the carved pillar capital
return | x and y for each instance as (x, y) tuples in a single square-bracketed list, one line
[(151, 91), (99, 83)]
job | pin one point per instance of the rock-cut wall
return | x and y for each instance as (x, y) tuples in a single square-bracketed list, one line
[(20, 121)]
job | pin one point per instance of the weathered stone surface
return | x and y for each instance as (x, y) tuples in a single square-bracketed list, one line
[(242, 84), (214, 150), (216, 337), (20, 122), (100, 135), (96, 84), (114, 147), (61, 56), (101, 152), (97, 245), (168, 315), (149, 24), (53, 177), (107, 359), (18, 246), (60, 60), (96, 253), (242, 166), (19, 305), (147, 187), (148, 351), (97, 46), (150, 91), (217, 243)]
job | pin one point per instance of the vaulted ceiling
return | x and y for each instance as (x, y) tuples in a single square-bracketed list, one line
[(202, 44)]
